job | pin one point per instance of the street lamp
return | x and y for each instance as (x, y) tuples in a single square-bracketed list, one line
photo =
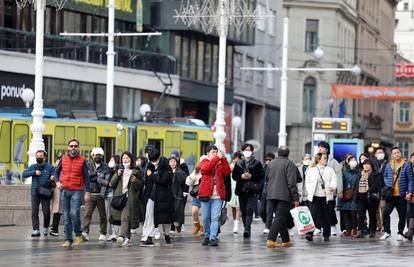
[(318, 53), (143, 110), (27, 96), (236, 123)]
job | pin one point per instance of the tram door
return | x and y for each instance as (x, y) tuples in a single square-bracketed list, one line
[(108, 145), (47, 139)]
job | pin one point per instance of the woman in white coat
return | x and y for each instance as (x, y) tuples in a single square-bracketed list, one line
[(321, 185)]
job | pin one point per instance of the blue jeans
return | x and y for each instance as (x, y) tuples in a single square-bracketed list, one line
[(210, 213), (71, 202)]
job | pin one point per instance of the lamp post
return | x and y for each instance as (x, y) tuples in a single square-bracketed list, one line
[(236, 123), (143, 110), (318, 54)]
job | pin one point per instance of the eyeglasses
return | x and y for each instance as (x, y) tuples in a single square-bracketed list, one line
[(73, 146)]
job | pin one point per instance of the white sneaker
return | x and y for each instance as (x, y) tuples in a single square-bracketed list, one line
[(317, 232), (120, 241), (171, 233), (334, 231), (266, 231), (236, 227), (400, 237), (127, 242), (144, 238), (112, 237), (85, 236), (385, 236), (133, 231), (46, 232), (291, 232), (102, 238), (157, 234)]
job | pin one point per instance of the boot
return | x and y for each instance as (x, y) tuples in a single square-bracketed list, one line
[(236, 227), (354, 232), (410, 229), (201, 230), (196, 228), (348, 233)]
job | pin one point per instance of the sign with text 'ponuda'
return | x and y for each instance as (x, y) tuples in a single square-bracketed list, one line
[(11, 88)]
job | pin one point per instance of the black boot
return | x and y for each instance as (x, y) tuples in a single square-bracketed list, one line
[(410, 232)]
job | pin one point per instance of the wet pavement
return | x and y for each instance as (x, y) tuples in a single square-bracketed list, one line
[(18, 249)]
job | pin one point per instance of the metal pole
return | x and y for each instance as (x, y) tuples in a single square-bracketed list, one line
[(37, 126), (220, 133), (235, 140), (110, 61), (283, 84)]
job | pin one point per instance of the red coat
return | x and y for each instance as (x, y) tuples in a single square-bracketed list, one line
[(207, 167)]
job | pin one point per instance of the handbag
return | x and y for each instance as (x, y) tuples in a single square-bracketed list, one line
[(223, 214), (388, 191), (45, 192), (347, 194), (119, 202), (194, 190)]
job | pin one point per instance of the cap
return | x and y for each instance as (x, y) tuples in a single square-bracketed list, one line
[(97, 151)]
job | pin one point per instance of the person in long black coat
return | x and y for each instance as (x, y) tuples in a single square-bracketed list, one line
[(179, 177), (158, 197)]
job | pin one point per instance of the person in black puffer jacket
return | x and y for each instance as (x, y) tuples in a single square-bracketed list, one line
[(249, 176)]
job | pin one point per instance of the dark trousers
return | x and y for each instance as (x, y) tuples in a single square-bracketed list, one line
[(279, 224), (342, 220), (363, 206), (322, 213), (349, 218), (401, 206), (55, 222), (36, 201), (248, 204), (332, 205), (95, 201), (270, 209), (410, 212)]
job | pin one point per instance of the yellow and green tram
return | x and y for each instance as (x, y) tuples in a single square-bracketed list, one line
[(113, 137)]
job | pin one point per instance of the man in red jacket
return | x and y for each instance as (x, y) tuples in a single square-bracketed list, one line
[(212, 191), (72, 179)]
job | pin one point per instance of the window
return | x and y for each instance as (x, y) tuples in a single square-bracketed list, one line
[(260, 23), (238, 62), (309, 95), (404, 111), (230, 67), (177, 53), (270, 74), (193, 59), (260, 74), (406, 5), (185, 56), (272, 23), (311, 35), (405, 149), (207, 66), (200, 60), (249, 74), (214, 72)]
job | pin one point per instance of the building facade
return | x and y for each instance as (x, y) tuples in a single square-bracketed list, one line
[(257, 93), (332, 26), (404, 29)]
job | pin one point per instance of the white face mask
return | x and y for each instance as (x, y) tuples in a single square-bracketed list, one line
[(380, 156), (127, 164), (306, 162), (247, 154), (111, 164), (353, 164)]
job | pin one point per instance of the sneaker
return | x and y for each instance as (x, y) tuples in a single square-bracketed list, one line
[(385, 236), (167, 239), (246, 234), (133, 231), (120, 241), (46, 232), (54, 233), (206, 241), (85, 236), (400, 237), (78, 240), (102, 238), (178, 228), (127, 242), (35, 233), (334, 231), (266, 231), (235, 227), (326, 239), (147, 243), (257, 218), (309, 238), (291, 232), (317, 232), (67, 244), (157, 234), (213, 242), (112, 238), (171, 233), (144, 238)]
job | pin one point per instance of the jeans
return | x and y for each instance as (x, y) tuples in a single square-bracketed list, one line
[(247, 206), (401, 205), (210, 214), (36, 200), (279, 225), (71, 202)]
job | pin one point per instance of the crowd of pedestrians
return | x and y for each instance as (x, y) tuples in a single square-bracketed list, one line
[(151, 192)]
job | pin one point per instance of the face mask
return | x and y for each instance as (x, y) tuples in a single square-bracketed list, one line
[(39, 160), (247, 154), (380, 156), (73, 153), (127, 164), (362, 161), (353, 164), (306, 162), (111, 164), (98, 160)]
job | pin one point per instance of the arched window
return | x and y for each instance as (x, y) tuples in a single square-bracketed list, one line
[(309, 99)]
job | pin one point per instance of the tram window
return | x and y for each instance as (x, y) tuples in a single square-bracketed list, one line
[(156, 143), (47, 139), (108, 146), (21, 143), (142, 141), (5, 139), (87, 139), (122, 143)]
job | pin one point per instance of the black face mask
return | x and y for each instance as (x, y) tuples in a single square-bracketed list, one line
[(98, 160), (39, 160)]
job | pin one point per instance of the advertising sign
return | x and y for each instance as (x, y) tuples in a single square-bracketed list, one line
[(373, 92), (11, 88)]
